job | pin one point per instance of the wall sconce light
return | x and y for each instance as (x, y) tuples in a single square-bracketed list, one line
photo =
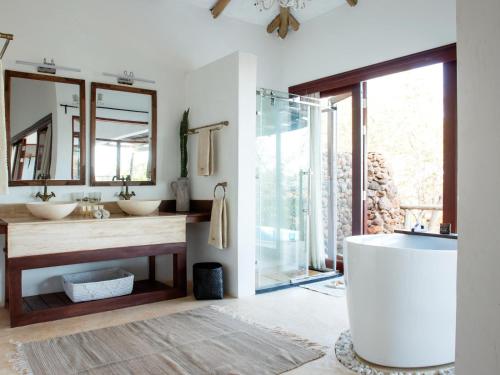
[(47, 67), (127, 78)]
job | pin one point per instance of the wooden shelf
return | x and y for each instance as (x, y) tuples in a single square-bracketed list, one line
[(200, 212), (53, 300), (53, 306), (198, 217), (46, 307)]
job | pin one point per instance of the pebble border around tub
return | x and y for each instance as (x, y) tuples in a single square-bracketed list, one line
[(344, 351)]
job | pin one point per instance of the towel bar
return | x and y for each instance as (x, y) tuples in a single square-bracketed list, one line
[(8, 38), (223, 185), (216, 126)]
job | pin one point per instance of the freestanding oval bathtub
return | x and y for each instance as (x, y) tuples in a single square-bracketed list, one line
[(401, 297)]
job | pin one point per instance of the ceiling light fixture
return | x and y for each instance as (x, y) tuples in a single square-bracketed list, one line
[(268, 4), (283, 22)]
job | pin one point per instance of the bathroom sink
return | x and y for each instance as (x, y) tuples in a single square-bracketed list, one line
[(51, 210), (138, 207)]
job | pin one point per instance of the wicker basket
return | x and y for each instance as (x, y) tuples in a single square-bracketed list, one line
[(208, 281), (100, 284)]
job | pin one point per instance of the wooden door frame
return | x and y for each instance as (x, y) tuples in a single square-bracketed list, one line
[(352, 81), (358, 163), (450, 137), (328, 85)]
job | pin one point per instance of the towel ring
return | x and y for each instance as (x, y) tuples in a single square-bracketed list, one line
[(223, 185)]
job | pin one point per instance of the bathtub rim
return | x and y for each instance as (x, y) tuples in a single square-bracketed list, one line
[(358, 240)]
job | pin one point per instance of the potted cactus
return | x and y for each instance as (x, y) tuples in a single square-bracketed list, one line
[(180, 187)]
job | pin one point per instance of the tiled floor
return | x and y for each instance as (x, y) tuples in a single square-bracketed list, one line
[(312, 315)]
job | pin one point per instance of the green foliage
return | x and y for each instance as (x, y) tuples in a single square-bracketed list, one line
[(183, 137)]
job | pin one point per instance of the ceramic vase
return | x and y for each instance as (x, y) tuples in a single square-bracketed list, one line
[(180, 188)]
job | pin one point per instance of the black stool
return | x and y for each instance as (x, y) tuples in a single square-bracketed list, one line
[(208, 281)]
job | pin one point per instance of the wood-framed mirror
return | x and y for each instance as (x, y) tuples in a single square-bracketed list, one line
[(122, 135), (45, 126)]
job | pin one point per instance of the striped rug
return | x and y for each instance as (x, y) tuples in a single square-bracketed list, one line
[(201, 341)]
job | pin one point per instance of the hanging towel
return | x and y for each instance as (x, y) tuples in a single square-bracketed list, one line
[(205, 153), (4, 168), (218, 224)]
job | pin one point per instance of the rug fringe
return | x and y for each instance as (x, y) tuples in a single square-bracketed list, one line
[(303, 342), (18, 360)]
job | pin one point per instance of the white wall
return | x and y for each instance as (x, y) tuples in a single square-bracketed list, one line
[(247, 167), (157, 39), (478, 320), (225, 91), (375, 30)]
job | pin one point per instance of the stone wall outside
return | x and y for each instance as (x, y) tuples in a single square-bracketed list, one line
[(344, 198), (384, 212)]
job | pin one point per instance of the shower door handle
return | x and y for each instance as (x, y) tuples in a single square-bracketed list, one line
[(306, 208)]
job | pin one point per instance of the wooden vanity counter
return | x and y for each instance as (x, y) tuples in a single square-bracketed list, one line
[(40, 237), (35, 243), (34, 237)]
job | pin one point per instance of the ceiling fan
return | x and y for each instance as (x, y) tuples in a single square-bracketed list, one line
[(283, 21)]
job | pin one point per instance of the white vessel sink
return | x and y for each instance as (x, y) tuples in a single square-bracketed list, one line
[(51, 210), (138, 207)]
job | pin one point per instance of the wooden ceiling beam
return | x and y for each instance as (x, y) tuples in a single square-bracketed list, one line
[(284, 22), (219, 7), (274, 24), (294, 23)]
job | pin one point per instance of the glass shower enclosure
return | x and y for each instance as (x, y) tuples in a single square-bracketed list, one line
[(283, 181)]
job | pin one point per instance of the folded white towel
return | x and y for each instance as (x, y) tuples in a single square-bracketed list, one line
[(205, 153), (4, 168), (218, 224)]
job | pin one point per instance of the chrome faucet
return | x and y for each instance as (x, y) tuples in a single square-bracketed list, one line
[(125, 195), (45, 196)]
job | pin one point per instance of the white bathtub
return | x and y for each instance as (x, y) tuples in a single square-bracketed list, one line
[(401, 297)]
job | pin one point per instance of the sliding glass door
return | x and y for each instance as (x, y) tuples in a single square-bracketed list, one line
[(283, 189)]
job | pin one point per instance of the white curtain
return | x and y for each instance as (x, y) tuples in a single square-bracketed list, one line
[(4, 168), (317, 255)]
